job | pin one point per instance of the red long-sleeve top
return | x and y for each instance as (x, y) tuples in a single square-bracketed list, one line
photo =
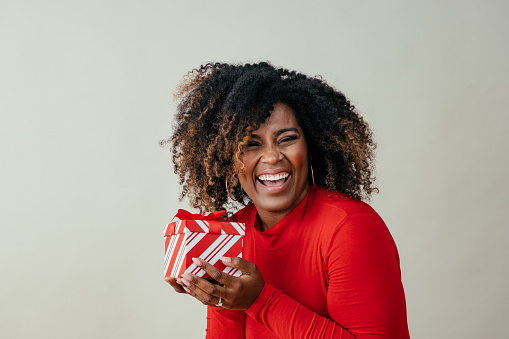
[(331, 270)]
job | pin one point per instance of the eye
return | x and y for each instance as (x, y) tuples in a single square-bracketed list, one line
[(288, 138), (252, 143)]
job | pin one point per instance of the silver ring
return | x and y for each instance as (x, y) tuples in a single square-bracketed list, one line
[(220, 303)]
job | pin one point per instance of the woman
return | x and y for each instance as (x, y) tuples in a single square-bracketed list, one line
[(318, 262)]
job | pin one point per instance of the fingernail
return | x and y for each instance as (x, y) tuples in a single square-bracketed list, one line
[(186, 280), (179, 281), (187, 289), (197, 262), (226, 260)]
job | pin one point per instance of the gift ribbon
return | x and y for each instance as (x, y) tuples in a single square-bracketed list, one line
[(183, 215), (214, 227)]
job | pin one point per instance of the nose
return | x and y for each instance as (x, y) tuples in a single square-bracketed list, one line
[(271, 155)]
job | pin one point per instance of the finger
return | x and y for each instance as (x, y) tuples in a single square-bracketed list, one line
[(208, 299), (206, 292), (176, 286), (214, 273), (193, 282), (246, 267)]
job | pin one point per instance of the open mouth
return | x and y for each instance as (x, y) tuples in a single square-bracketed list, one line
[(273, 180)]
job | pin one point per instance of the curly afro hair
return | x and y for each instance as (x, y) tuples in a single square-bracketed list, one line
[(221, 104)]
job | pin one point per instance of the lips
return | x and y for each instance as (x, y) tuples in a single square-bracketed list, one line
[(272, 180)]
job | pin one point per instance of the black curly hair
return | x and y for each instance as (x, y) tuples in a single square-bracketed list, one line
[(221, 104)]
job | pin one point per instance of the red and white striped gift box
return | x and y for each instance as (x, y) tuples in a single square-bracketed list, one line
[(208, 237)]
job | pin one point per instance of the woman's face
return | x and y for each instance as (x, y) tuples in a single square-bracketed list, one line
[(275, 171)]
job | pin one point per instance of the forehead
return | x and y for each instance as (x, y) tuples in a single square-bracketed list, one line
[(282, 116)]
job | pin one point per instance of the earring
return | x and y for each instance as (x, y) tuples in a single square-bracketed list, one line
[(312, 175), (227, 191)]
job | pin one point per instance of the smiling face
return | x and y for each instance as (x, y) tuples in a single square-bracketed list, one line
[(275, 166)]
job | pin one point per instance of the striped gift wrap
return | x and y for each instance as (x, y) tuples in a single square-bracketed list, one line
[(205, 239)]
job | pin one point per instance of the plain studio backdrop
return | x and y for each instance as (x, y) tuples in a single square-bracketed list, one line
[(86, 94)]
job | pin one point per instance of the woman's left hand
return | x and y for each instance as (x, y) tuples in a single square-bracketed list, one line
[(236, 293)]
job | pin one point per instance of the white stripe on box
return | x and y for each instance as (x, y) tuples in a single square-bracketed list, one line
[(178, 226), (212, 254), (170, 243), (220, 239), (196, 238), (232, 271), (169, 252), (204, 225), (173, 243), (239, 227), (189, 237), (205, 255), (191, 240), (178, 262), (220, 244), (208, 255), (182, 250), (220, 247), (180, 257)]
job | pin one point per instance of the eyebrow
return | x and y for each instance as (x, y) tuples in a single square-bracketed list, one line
[(278, 133)]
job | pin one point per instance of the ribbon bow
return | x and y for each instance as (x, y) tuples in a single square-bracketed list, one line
[(214, 227), (183, 215)]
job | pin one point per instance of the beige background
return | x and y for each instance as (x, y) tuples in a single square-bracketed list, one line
[(85, 95)]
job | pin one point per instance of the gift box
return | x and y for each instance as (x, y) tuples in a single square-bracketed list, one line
[(208, 237)]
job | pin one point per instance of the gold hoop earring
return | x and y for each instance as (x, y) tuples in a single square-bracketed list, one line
[(227, 191), (312, 175)]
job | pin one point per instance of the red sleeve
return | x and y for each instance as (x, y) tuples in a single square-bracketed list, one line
[(225, 324), (365, 297)]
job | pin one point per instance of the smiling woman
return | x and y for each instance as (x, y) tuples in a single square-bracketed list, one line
[(318, 262), (273, 170)]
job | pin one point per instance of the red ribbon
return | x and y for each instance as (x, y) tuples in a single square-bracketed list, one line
[(185, 215)]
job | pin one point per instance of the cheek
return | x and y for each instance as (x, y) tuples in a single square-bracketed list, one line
[(243, 173), (246, 181), (300, 157), (242, 179), (246, 168)]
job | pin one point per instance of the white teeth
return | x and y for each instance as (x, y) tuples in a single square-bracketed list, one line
[(279, 176)]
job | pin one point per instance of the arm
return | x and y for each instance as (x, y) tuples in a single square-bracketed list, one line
[(225, 324), (288, 318), (365, 296)]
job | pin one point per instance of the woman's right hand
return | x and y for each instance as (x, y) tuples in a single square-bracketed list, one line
[(233, 293), (175, 284)]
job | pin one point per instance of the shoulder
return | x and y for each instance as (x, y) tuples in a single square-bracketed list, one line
[(349, 227), (347, 223), (336, 208)]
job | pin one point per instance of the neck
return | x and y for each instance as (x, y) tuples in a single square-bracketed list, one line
[(270, 218), (267, 220)]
